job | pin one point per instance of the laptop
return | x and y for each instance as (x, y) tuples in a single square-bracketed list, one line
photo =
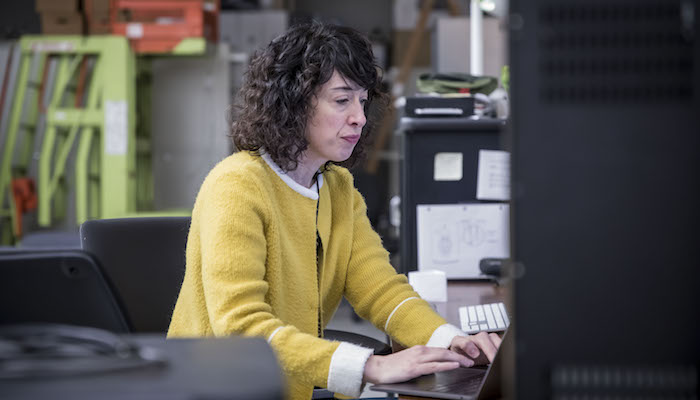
[(480, 382)]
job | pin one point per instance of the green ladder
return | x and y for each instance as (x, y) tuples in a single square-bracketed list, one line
[(102, 123), (9, 170)]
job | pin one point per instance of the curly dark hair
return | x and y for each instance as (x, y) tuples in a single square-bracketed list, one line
[(276, 100)]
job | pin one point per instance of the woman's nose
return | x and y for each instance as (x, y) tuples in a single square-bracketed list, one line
[(357, 115)]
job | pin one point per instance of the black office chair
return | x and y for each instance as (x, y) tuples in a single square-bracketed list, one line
[(57, 286), (48, 239), (145, 259)]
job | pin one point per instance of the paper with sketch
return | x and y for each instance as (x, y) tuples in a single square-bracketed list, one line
[(455, 237), (493, 175)]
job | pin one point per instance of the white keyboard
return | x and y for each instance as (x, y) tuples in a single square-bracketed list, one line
[(484, 317)]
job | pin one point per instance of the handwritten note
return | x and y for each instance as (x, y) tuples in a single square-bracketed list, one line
[(493, 175)]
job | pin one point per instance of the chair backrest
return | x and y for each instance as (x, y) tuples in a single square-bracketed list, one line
[(145, 260), (57, 286), (50, 239)]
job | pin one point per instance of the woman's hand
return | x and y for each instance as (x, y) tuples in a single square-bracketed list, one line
[(412, 362), (464, 351), (481, 347)]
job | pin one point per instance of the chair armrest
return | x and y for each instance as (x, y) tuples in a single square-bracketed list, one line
[(380, 348)]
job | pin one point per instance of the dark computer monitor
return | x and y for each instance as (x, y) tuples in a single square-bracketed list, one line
[(61, 286), (606, 197)]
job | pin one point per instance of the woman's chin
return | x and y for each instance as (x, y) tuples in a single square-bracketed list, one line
[(341, 158)]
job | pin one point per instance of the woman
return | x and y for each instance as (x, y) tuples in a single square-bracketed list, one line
[(279, 233)]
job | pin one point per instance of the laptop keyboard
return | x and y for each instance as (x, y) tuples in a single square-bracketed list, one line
[(460, 380), (484, 317), (470, 385)]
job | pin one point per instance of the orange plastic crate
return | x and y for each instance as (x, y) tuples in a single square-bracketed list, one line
[(157, 26)]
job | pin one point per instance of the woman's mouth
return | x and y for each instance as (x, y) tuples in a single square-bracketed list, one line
[(352, 138)]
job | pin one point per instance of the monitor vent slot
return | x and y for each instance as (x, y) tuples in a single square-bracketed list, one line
[(615, 52), (624, 381)]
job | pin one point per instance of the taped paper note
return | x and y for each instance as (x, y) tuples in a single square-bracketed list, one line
[(116, 127), (448, 167), (493, 176)]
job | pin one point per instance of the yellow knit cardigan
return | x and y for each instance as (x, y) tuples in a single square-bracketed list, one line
[(252, 268)]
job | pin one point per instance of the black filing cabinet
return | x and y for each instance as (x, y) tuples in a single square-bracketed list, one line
[(423, 138)]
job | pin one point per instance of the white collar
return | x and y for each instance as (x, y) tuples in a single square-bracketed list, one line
[(311, 193)]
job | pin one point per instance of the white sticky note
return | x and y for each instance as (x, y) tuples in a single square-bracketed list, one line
[(448, 167), (493, 175), (116, 127), (431, 285)]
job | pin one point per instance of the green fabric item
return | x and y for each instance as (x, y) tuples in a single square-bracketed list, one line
[(454, 82), (505, 77)]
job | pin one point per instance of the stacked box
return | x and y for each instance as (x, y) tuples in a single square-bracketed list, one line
[(46, 6), (97, 13), (60, 17)]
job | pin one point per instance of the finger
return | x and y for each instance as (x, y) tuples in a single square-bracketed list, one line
[(484, 342), (437, 366), (450, 355), (467, 347), (464, 345), (464, 360), (474, 350), (430, 354), (495, 339), (460, 349), (471, 349)]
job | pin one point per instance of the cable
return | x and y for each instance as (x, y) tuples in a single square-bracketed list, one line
[(55, 350)]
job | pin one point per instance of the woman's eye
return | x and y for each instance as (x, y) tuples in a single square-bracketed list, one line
[(363, 101), (342, 101)]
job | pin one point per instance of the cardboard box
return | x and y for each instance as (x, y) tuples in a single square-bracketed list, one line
[(100, 7), (401, 39), (53, 6), (97, 17), (62, 23), (99, 24)]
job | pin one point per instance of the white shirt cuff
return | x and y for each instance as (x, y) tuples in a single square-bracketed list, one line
[(346, 369), (443, 335)]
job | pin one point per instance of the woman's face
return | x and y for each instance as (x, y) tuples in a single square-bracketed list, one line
[(336, 121)]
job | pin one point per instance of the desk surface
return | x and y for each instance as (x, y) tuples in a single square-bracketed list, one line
[(464, 293), (461, 293), (214, 368)]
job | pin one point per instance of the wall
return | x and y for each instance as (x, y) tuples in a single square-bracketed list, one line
[(189, 106)]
